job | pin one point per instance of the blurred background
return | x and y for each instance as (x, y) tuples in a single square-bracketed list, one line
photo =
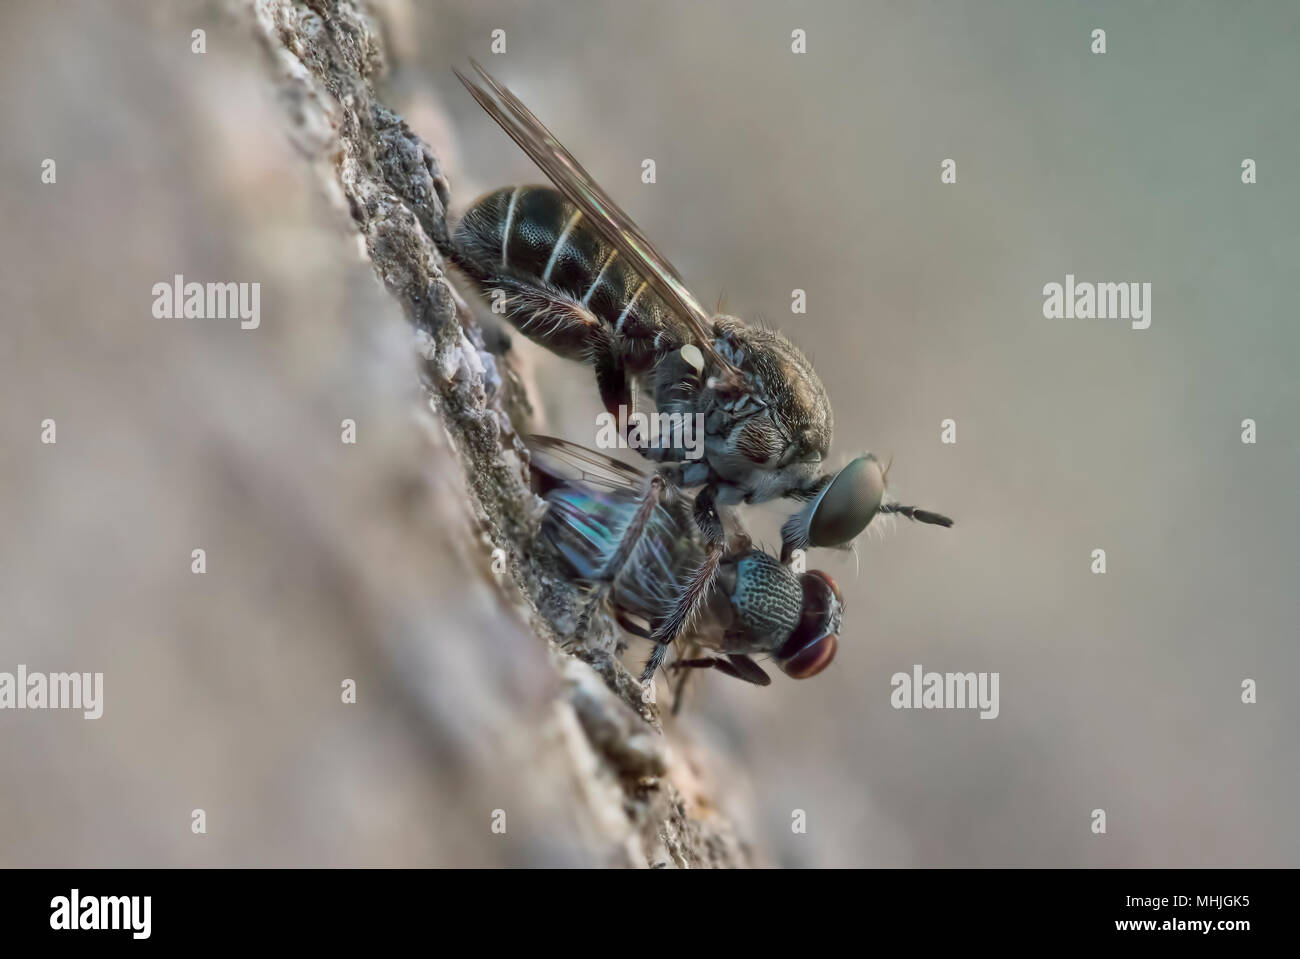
[(775, 171)]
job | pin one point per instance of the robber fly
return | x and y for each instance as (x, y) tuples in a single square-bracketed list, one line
[(755, 606), (575, 274)]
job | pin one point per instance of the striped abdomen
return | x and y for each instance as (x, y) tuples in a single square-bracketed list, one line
[(530, 240)]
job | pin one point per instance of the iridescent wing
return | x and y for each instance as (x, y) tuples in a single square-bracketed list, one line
[(615, 226), (591, 499)]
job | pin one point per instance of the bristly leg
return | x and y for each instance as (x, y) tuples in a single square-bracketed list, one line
[(679, 689), (697, 587), (736, 665), (589, 607), (633, 627), (626, 545), (654, 662), (545, 315), (611, 378), (632, 535)]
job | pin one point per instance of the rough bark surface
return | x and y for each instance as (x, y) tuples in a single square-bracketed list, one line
[(641, 801)]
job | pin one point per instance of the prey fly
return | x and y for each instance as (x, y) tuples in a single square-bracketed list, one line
[(755, 608)]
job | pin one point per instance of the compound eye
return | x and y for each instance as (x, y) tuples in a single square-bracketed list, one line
[(825, 578), (849, 502), (813, 658)]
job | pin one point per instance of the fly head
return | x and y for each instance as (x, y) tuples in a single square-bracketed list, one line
[(766, 600)]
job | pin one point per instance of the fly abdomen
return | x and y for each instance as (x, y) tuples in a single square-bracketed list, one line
[(533, 235), (545, 239)]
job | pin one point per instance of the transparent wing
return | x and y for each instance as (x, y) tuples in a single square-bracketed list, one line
[(588, 511), (615, 226), (585, 465)]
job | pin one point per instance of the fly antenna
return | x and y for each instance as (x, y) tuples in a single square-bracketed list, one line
[(917, 514)]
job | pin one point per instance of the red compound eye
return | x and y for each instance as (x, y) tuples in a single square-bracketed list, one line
[(813, 658), (825, 577)]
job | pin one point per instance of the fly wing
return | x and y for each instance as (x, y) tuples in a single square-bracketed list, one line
[(560, 460), (591, 498), (615, 226), (584, 525)]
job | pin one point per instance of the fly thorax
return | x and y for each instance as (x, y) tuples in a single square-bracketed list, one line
[(774, 425), (767, 599)]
